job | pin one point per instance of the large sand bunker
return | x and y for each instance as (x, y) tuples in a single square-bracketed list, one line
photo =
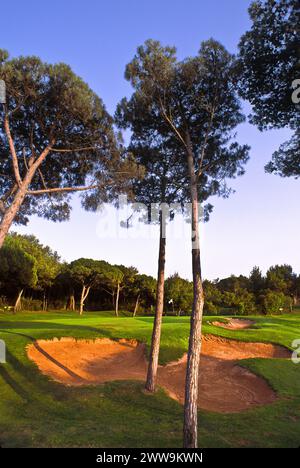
[(223, 385)]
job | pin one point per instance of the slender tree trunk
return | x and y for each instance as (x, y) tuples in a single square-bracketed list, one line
[(84, 294), (17, 305), (113, 300), (71, 303), (136, 306), (45, 302), (81, 301), (155, 343), (11, 213), (295, 299), (190, 430), (117, 300)]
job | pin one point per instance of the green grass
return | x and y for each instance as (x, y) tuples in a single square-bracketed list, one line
[(37, 412)]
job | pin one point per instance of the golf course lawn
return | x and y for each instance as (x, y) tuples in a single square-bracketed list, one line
[(38, 412)]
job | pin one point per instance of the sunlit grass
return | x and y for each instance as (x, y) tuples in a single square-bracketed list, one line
[(35, 411)]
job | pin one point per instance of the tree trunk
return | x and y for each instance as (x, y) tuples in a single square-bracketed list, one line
[(190, 431), (11, 213), (17, 305), (155, 343), (81, 301), (71, 303), (295, 299), (136, 306), (117, 301), (45, 302), (84, 294)]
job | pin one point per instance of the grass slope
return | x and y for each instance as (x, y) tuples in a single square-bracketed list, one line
[(37, 412)]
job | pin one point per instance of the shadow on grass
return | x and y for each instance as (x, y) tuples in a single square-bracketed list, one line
[(45, 326), (13, 384), (36, 379)]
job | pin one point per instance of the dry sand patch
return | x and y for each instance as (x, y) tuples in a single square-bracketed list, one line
[(224, 386), (235, 324)]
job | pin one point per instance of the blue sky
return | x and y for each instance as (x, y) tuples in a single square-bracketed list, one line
[(258, 225)]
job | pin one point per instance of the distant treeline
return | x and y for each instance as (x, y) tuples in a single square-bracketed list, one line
[(32, 277)]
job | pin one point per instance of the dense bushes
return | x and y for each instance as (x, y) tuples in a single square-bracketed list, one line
[(274, 293), (274, 302), (33, 276)]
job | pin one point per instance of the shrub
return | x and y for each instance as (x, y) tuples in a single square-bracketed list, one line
[(275, 302)]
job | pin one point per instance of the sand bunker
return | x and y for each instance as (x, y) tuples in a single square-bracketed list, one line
[(223, 385), (235, 324)]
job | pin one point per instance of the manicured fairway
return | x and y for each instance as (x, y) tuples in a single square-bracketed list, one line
[(37, 412)]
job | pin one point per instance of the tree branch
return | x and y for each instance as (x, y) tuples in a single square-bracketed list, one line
[(10, 192), (75, 150), (173, 127), (86, 293), (12, 150), (61, 189), (43, 156), (69, 189), (24, 159), (2, 207), (42, 179), (205, 142), (108, 292)]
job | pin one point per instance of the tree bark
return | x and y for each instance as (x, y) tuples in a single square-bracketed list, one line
[(71, 303), (17, 305), (45, 302), (11, 213), (84, 294), (295, 299), (155, 342), (190, 430), (136, 306), (81, 301), (117, 300)]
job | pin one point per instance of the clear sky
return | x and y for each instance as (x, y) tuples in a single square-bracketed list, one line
[(258, 225)]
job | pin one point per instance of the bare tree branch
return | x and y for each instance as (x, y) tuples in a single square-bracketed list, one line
[(42, 156), (24, 158), (42, 179), (12, 150), (205, 142), (61, 189), (10, 192), (173, 127), (75, 150)]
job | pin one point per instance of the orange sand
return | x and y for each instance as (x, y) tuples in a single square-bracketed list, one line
[(224, 386)]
